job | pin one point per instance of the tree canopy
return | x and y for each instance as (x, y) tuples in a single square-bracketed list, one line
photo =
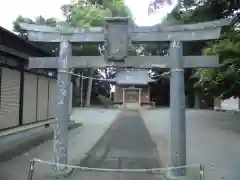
[(222, 81)]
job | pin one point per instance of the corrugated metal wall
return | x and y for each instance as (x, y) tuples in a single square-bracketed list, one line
[(9, 98), (29, 98), (38, 100), (42, 100), (52, 97)]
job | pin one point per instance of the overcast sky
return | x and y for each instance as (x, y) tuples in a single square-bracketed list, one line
[(10, 9)]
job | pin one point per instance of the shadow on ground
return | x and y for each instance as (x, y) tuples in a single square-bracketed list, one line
[(126, 144)]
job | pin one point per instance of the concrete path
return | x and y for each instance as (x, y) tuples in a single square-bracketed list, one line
[(213, 139), (126, 144), (81, 140)]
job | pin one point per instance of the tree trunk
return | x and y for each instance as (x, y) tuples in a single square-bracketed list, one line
[(78, 82), (238, 103), (89, 90), (187, 101), (197, 101)]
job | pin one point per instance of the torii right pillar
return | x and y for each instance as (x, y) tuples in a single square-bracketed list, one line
[(177, 64), (177, 109)]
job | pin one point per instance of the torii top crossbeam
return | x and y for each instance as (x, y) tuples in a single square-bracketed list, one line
[(143, 34), (117, 33)]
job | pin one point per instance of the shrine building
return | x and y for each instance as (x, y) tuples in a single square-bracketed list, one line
[(132, 87)]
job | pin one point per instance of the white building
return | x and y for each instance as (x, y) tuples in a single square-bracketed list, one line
[(232, 104)]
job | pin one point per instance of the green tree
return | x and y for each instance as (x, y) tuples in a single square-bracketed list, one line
[(222, 81), (37, 20), (93, 12)]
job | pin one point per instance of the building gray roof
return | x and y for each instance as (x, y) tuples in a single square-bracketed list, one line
[(132, 77)]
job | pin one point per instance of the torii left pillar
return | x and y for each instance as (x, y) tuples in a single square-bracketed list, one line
[(62, 106)]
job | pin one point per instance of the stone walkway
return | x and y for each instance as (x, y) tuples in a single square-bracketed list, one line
[(126, 144)]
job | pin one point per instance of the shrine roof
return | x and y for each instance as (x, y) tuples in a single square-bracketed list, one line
[(132, 77)]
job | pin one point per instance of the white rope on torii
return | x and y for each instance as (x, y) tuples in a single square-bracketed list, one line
[(163, 75)]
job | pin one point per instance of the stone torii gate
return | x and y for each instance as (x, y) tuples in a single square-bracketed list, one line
[(116, 35)]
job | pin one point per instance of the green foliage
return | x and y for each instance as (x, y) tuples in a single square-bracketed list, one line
[(117, 8), (212, 82), (37, 20), (222, 81), (84, 16), (92, 14), (20, 19)]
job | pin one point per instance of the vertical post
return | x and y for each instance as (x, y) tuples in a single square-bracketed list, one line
[(89, 90), (177, 109), (139, 96), (37, 85), (217, 103), (110, 95), (238, 103), (115, 93), (48, 94), (123, 97), (201, 172), (196, 101), (81, 89), (70, 97), (149, 93), (62, 106), (21, 94), (0, 86)]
